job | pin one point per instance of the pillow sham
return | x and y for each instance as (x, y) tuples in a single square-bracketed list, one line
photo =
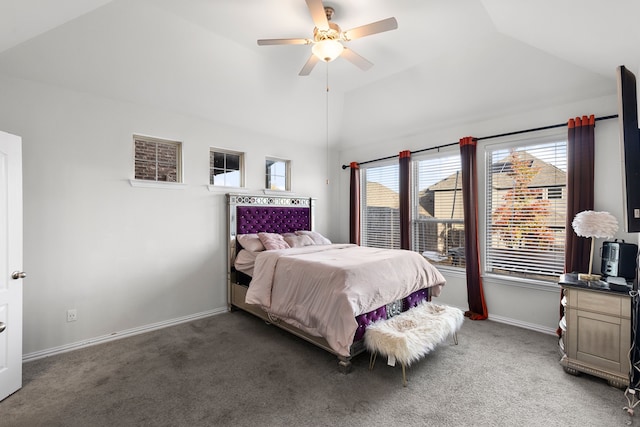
[(317, 238), (273, 241), (296, 241), (250, 242), (245, 261)]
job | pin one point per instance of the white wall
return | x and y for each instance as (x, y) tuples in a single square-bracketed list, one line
[(125, 257), (531, 306)]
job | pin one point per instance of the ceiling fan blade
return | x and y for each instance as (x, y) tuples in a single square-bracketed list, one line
[(373, 28), (308, 66), (318, 14), (356, 59), (267, 42)]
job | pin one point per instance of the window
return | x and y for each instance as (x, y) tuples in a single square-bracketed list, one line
[(277, 175), (554, 193), (157, 159), (526, 209), (438, 213), (226, 168), (380, 219)]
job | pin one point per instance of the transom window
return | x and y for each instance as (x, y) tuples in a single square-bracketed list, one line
[(226, 168), (157, 159), (277, 174)]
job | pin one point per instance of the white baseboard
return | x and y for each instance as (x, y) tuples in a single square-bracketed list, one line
[(519, 323), (118, 335), (525, 325), (152, 327)]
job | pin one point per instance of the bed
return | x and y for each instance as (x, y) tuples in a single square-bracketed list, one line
[(323, 292)]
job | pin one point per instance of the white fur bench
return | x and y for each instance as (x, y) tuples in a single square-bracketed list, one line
[(411, 335)]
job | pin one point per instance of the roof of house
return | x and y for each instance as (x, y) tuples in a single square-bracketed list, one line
[(379, 195), (549, 176)]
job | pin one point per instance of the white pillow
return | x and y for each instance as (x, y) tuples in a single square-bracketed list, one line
[(250, 242), (298, 241), (317, 238), (245, 261), (273, 241)]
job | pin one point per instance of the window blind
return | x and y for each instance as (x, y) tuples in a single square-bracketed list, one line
[(526, 210), (438, 217), (380, 206)]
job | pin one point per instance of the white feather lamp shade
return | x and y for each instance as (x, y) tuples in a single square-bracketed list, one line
[(594, 224)]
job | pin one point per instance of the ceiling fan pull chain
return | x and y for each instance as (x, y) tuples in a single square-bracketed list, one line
[(327, 113)]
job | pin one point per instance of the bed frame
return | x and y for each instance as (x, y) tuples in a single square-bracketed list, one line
[(283, 214)]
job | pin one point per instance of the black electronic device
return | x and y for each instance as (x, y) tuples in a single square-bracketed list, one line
[(619, 259), (630, 147)]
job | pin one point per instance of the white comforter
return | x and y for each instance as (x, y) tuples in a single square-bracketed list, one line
[(320, 289)]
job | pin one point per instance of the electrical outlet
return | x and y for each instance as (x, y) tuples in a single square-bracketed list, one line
[(72, 315)]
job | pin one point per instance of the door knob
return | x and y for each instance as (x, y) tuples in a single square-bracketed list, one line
[(18, 275), (3, 326)]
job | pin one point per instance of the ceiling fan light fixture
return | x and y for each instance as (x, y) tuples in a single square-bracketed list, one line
[(328, 38), (327, 50)]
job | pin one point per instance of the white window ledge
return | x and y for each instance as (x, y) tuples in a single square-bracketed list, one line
[(223, 189), (522, 282), (157, 184), (451, 271), (277, 192)]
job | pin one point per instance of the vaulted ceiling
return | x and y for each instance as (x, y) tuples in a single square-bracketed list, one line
[(448, 61)]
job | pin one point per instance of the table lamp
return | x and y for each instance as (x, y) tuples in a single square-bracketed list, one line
[(594, 224)]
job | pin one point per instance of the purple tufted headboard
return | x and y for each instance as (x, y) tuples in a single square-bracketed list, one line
[(272, 219), (270, 214)]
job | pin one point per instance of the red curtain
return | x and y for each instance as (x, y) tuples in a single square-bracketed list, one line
[(354, 204), (475, 293), (405, 200), (580, 172), (580, 192)]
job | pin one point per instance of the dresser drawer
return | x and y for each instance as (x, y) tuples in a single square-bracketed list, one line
[(600, 302)]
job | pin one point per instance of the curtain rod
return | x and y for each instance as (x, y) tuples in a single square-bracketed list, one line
[(613, 116)]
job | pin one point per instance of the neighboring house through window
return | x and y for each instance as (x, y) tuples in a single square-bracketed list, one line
[(226, 168), (157, 159)]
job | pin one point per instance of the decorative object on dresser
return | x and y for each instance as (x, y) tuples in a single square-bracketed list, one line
[(594, 224), (409, 336), (596, 330), (619, 259)]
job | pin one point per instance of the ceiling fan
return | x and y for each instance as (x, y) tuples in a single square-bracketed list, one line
[(328, 38)]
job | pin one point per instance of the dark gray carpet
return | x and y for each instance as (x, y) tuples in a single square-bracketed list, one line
[(235, 370)]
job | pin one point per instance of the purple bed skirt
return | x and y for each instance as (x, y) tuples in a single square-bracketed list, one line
[(366, 319)]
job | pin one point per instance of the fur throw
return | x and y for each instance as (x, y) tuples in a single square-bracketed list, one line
[(411, 335)]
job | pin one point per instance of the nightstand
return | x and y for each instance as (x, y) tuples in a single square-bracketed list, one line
[(596, 330)]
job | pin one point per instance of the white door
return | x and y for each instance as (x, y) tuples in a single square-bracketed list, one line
[(11, 275)]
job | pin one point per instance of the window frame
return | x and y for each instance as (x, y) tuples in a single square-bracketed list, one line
[(363, 206), (287, 171), (484, 168), (241, 167), (178, 145), (456, 263)]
